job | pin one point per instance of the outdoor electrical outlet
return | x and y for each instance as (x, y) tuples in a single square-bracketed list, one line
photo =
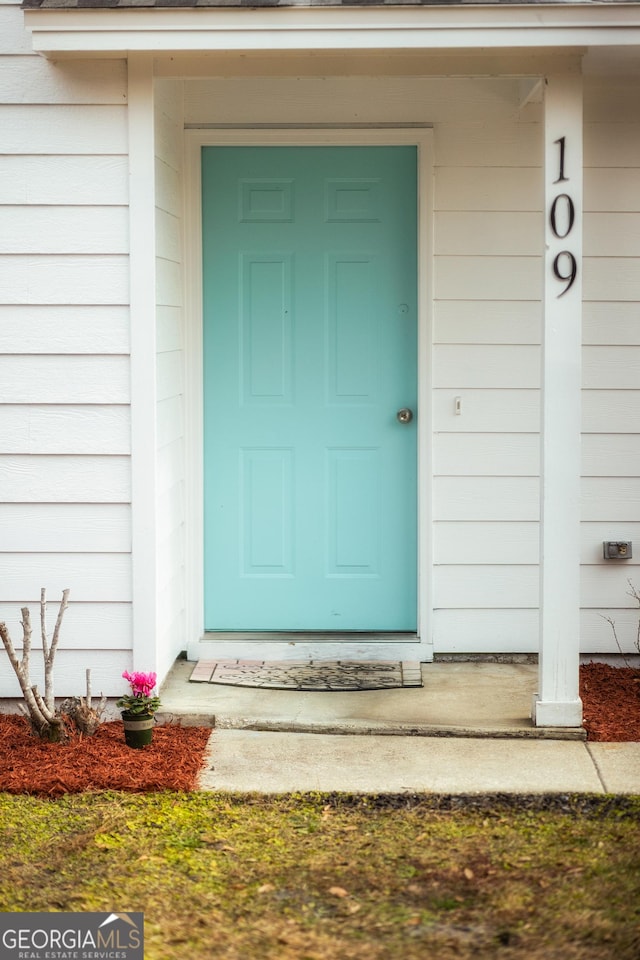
[(617, 549)]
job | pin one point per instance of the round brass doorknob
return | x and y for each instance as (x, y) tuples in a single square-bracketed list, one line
[(405, 415)]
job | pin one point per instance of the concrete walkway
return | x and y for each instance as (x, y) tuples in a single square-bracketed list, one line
[(465, 731)]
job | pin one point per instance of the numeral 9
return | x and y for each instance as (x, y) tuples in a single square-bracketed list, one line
[(568, 276)]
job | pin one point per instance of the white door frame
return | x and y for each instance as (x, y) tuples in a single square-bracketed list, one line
[(200, 645)]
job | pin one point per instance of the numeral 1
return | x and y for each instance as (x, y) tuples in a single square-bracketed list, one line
[(562, 177)]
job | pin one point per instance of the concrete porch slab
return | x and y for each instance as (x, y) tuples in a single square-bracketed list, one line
[(457, 699)]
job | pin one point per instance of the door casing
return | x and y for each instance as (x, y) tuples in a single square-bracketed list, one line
[(386, 647)]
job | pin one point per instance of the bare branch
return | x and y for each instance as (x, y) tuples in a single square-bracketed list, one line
[(8, 645), (49, 657), (43, 623), (43, 707), (26, 637), (41, 712), (56, 629)]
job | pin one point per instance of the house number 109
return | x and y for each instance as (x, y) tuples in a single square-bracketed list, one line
[(561, 220)]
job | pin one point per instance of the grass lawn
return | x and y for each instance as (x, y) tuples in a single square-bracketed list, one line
[(305, 877)]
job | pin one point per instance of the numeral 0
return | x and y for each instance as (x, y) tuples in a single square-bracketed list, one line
[(568, 276), (570, 215)]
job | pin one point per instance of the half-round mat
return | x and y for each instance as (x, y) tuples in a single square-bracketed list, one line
[(309, 674)]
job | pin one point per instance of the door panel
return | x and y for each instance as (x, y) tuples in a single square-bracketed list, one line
[(310, 290)]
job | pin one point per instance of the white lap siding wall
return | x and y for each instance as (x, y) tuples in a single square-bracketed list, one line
[(170, 335), (611, 357), (64, 364)]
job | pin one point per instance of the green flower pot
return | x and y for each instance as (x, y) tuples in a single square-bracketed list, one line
[(138, 729)]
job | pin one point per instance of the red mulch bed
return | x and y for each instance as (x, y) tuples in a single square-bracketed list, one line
[(101, 762), (610, 695), (611, 702)]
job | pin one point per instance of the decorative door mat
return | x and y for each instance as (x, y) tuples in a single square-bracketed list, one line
[(310, 674)]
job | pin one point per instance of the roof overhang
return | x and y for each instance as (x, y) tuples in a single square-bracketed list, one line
[(116, 32)]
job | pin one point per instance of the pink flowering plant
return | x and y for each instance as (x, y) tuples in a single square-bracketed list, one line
[(139, 701)]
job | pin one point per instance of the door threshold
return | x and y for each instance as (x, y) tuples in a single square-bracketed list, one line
[(315, 645), (310, 636)]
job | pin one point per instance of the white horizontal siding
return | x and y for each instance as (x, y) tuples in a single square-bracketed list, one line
[(64, 479), (168, 188), (516, 586), (169, 283), (593, 534), (612, 235), (65, 429), (107, 624), (64, 368), (169, 109), (70, 672), (596, 634), (170, 420), (74, 527), (478, 631), (609, 191), (66, 129), (486, 454), (64, 180), (56, 329), (487, 321), (64, 279), (606, 585), (483, 234), (61, 229), (14, 39), (64, 379), (490, 586), (91, 577), (488, 143), (612, 145), (516, 631), (606, 455), (488, 410), (610, 99), (170, 361), (171, 463), (491, 366), (487, 498), (170, 374), (488, 188), (486, 543), (487, 278), (168, 236), (610, 411), (611, 368), (31, 80), (611, 498), (169, 332), (171, 514), (611, 323), (348, 100), (490, 542)]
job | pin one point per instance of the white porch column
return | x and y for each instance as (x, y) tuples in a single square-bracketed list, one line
[(142, 299), (557, 702)]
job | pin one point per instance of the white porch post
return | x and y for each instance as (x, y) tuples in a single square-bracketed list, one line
[(142, 298), (557, 703)]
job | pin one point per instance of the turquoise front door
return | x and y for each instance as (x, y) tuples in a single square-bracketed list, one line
[(310, 290)]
